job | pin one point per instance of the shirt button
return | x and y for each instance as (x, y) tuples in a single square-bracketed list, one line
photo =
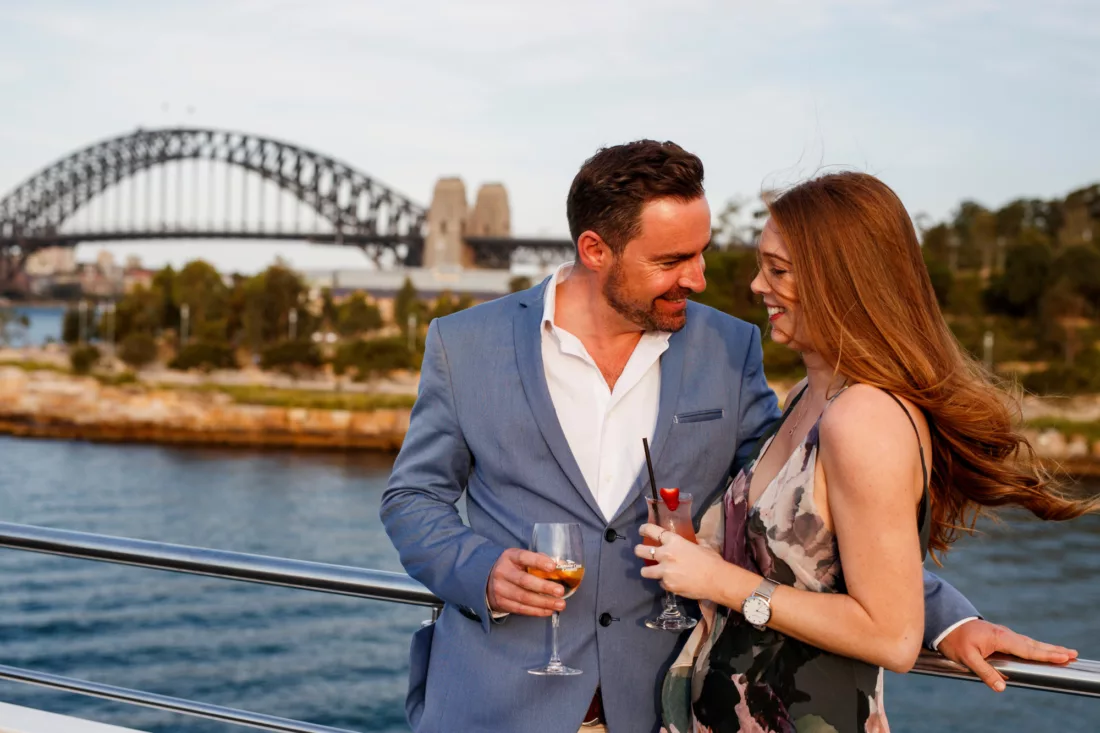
[(605, 619)]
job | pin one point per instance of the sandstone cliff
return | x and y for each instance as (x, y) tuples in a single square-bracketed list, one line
[(46, 404)]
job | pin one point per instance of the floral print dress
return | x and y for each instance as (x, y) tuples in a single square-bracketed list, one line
[(754, 681)]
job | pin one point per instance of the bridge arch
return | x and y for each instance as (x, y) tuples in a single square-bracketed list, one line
[(361, 210)]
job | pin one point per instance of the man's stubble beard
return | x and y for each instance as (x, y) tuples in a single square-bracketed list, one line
[(644, 315)]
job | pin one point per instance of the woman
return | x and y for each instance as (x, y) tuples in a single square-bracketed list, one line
[(894, 441)]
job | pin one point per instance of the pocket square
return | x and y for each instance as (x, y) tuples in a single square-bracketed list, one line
[(699, 416)]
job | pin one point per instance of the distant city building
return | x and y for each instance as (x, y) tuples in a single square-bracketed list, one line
[(51, 261), (105, 261), (382, 285), (133, 278)]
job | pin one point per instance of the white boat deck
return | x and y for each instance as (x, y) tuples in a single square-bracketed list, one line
[(26, 720)]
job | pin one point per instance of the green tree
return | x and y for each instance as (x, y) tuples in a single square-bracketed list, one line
[(139, 311), (369, 358), (943, 280), (518, 283), (200, 287), (70, 324), (164, 283), (936, 243), (406, 303), (84, 358), (1062, 317), (356, 316), (739, 223), (292, 357), (204, 355), (237, 306), (269, 299), (12, 326), (138, 349), (446, 304), (1079, 265), (330, 312), (1018, 291), (729, 274)]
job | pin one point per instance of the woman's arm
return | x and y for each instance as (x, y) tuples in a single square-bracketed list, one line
[(869, 456)]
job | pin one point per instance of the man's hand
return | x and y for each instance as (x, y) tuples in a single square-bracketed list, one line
[(974, 641), (514, 590)]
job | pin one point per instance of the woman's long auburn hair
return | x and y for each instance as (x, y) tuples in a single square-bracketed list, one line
[(867, 306)]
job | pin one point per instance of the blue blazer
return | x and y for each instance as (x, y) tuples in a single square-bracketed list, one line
[(484, 424)]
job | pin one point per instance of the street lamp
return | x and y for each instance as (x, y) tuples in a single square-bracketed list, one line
[(109, 325), (185, 316), (953, 251), (82, 321)]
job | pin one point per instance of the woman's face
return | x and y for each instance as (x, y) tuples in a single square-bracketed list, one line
[(775, 284)]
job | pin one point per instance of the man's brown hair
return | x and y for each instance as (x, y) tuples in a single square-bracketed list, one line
[(612, 187)]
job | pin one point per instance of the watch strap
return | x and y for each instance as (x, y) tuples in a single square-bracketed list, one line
[(765, 589)]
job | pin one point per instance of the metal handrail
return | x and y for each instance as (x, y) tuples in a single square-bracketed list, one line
[(1081, 677), (342, 579), (163, 702)]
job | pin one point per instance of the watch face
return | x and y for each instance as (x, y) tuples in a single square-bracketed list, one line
[(757, 611)]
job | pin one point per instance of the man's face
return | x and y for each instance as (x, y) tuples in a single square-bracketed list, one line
[(649, 281)]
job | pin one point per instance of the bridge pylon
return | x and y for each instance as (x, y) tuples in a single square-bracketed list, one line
[(451, 222)]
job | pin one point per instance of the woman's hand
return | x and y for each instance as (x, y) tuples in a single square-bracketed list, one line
[(687, 569)]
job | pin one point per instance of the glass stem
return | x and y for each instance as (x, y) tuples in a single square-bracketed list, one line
[(555, 661), (670, 604)]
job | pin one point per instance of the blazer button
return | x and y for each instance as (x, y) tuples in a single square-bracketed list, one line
[(605, 619), (610, 535)]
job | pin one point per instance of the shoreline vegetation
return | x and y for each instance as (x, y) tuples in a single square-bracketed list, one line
[(40, 398)]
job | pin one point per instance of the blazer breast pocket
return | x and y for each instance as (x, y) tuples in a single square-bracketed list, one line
[(699, 416)]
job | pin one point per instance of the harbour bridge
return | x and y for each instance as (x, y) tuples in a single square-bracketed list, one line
[(186, 183)]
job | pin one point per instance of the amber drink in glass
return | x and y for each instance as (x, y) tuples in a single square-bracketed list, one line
[(565, 546)]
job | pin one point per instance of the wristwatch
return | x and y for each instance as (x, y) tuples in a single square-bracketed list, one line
[(757, 608)]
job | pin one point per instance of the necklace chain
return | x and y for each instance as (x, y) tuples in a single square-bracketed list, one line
[(800, 409), (801, 414)]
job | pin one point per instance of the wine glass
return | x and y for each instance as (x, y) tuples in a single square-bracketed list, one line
[(565, 546), (672, 617)]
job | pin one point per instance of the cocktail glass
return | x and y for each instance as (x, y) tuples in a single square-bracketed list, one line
[(672, 618)]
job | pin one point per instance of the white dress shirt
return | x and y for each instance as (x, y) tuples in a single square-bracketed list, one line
[(604, 427)]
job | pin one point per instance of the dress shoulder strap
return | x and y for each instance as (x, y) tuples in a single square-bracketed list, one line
[(920, 447), (775, 426), (923, 522)]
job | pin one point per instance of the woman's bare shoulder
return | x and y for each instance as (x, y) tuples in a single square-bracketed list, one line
[(865, 433)]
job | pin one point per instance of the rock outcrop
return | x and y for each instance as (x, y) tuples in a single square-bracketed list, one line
[(46, 404)]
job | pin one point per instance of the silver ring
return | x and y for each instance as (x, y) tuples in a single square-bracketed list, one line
[(661, 537), (652, 553)]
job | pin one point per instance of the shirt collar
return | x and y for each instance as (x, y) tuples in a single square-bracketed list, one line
[(550, 301)]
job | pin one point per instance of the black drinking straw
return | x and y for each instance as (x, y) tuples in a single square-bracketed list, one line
[(649, 464)]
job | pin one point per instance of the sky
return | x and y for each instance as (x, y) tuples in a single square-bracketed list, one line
[(945, 100)]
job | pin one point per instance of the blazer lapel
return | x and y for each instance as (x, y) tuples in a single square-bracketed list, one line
[(527, 327), (672, 371)]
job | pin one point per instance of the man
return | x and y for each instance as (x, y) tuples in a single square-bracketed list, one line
[(535, 406)]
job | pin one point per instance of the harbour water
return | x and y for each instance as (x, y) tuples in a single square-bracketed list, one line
[(45, 322), (343, 661)]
